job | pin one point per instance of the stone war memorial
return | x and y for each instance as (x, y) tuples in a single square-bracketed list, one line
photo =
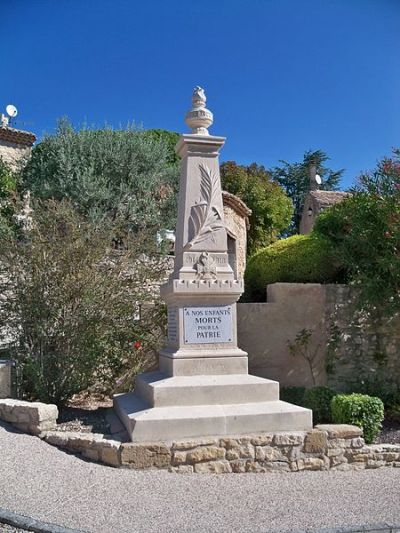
[(202, 387)]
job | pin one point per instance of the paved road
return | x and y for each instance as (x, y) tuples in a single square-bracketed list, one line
[(48, 484)]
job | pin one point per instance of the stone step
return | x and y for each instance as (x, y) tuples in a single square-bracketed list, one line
[(158, 390), (145, 423)]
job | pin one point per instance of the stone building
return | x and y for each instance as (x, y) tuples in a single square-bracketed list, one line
[(236, 215), (315, 202), (15, 145)]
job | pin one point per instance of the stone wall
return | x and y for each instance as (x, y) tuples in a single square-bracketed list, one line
[(5, 378), (364, 348), (31, 417), (345, 347), (237, 230), (14, 154), (327, 447)]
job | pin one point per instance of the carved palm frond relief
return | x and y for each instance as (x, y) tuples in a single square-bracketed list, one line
[(205, 216)]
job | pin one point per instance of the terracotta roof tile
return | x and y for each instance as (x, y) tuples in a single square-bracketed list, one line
[(328, 198), (12, 135)]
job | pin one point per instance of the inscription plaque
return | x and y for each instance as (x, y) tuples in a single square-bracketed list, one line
[(208, 325)]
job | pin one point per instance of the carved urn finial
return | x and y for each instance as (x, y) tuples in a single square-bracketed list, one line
[(199, 118)]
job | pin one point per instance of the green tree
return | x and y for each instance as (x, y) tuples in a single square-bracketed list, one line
[(365, 232), (294, 178), (125, 174), (271, 208)]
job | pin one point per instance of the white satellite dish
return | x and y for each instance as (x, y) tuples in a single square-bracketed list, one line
[(318, 179), (11, 111)]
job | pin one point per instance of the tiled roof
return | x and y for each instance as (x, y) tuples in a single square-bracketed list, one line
[(328, 198), (12, 135), (236, 203)]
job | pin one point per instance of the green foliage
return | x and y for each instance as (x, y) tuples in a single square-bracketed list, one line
[(116, 174), (297, 259), (271, 208), (294, 178), (293, 395), (318, 399), (364, 411), (364, 230), (8, 195), (74, 307), (387, 389)]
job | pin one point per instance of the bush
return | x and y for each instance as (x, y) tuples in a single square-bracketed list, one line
[(318, 399), (79, 314), (297, 259), (364, 411), (293, 395), (364, 231), (8, 196)]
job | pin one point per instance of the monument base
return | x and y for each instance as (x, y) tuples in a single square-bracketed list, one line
[(169, 408)]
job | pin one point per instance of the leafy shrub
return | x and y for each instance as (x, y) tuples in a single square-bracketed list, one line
[(364, 411), (364, 231), (8, 194), (387, 389), (297, 259), (79, 314), (293, 395), (318, 399)]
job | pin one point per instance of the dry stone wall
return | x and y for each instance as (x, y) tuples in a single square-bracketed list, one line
[(14, 154), (327, 447), (31, 417), (363, 348)]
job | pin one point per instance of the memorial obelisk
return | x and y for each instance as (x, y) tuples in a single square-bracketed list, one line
[(202, 386)]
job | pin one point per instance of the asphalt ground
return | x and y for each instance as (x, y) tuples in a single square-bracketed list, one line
[(42, 482)]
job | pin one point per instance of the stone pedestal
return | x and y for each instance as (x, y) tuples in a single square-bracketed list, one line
[(202, 387)]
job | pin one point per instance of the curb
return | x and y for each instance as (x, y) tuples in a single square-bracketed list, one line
[(383, 526), (31, 524)]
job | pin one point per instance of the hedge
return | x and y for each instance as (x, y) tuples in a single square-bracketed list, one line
[(318, 399), (297, 259), (362, 410)]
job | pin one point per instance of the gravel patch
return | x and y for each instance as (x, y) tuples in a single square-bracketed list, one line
[(5, 528), (45, 483), (83, 420)]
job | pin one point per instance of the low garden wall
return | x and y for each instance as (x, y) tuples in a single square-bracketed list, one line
[(345, 348), (326, 447), (31, 417)]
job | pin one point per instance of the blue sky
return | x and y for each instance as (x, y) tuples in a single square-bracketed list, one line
[(281, 76)]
